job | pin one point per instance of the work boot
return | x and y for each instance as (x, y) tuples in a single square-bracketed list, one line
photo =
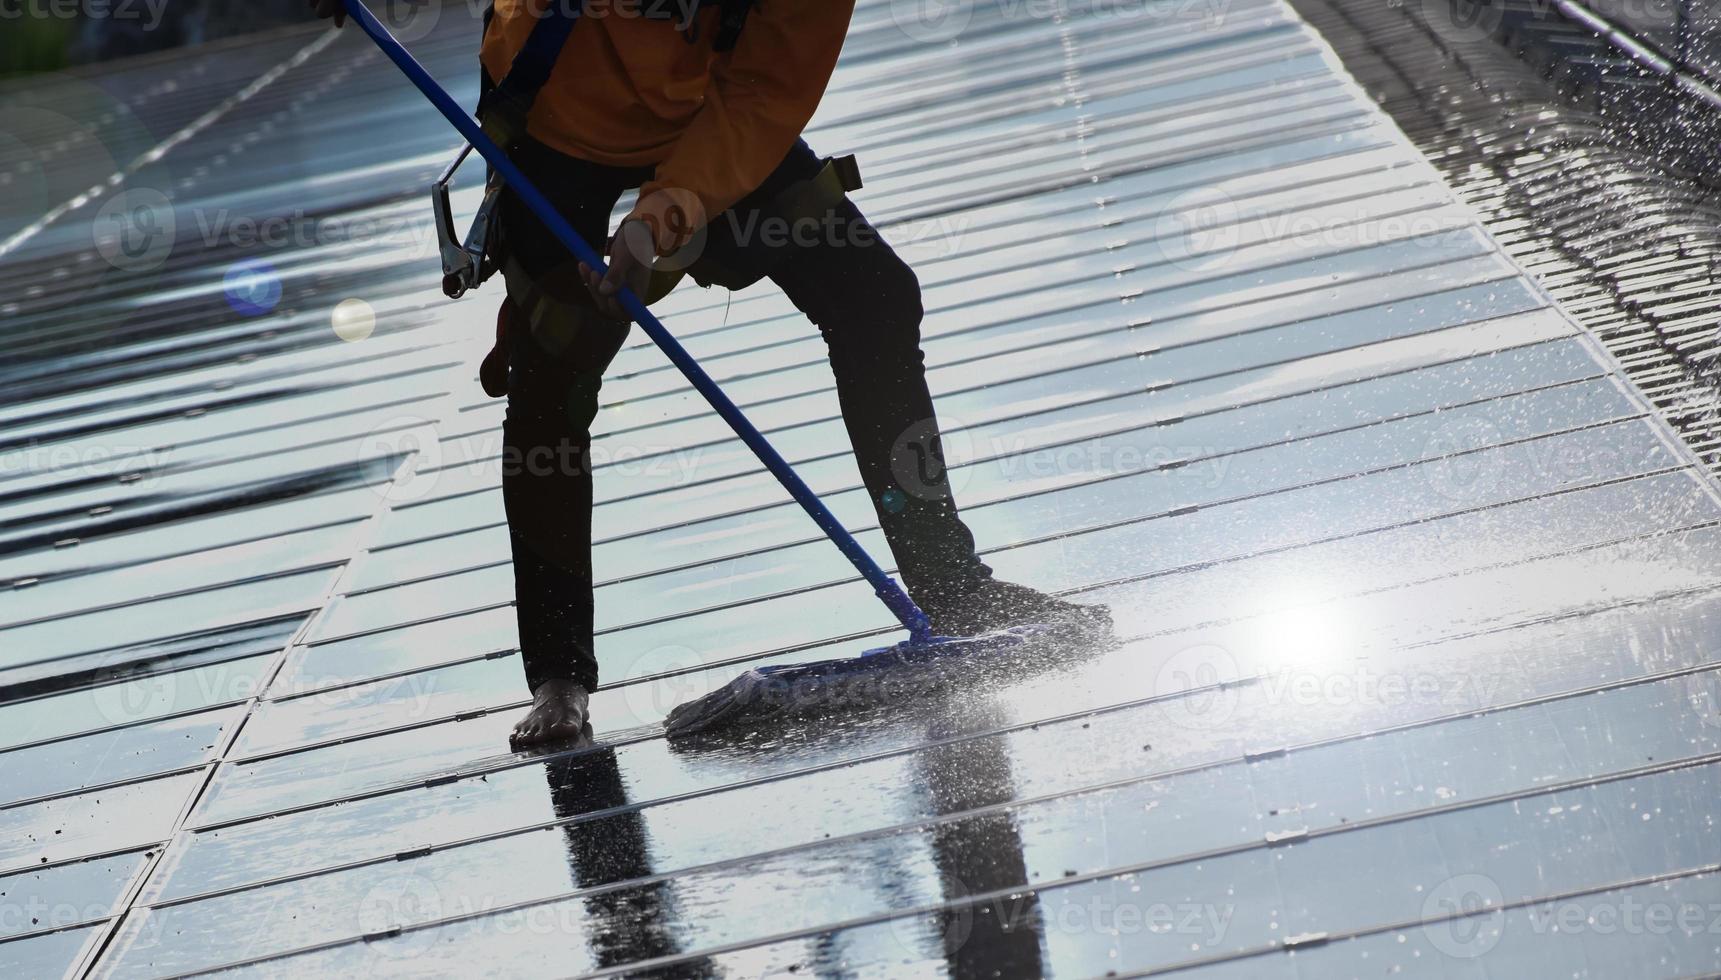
[(988, 605)]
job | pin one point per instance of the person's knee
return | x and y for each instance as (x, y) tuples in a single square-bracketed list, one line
[(899, 290), (860, 287), (884, 307)]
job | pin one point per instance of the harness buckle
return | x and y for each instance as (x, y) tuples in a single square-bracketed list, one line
[(467, 262)]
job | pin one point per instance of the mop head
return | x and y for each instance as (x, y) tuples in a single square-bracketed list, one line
[(892, 674)]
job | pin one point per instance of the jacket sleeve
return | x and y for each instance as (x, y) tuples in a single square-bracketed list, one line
[(759, 100)]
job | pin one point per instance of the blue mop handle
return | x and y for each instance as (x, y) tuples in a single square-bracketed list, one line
[(894, 597)]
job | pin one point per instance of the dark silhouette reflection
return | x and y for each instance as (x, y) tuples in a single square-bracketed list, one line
[(631, 923), (990, 937)]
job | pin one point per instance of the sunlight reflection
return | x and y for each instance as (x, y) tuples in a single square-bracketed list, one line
[(1298, 626)]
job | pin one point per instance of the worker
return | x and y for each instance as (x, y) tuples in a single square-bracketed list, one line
[(700, 105)]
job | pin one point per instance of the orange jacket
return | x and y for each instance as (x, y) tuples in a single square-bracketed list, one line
[(628, 91)]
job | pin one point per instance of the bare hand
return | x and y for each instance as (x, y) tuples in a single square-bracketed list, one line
[(326, 9), (630, 265)]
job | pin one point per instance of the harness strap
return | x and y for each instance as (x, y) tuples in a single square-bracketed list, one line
[(503, 108), (730, 20)]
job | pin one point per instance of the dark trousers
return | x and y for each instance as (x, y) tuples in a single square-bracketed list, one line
[(865, 301)]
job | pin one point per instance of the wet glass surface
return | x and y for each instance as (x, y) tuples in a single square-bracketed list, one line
[(65, 895), (1391, 496), (1191, 398), (208, 610), (1241, 648), (97, 822), (1249, 897), (184, 573), (1443, 681), (1359, 403), (1382, 619), (49, 955), (130, 701), (1173, 816), (112, 756), (188, 536)]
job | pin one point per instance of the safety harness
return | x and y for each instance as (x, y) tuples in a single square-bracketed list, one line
[(503, 108)]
